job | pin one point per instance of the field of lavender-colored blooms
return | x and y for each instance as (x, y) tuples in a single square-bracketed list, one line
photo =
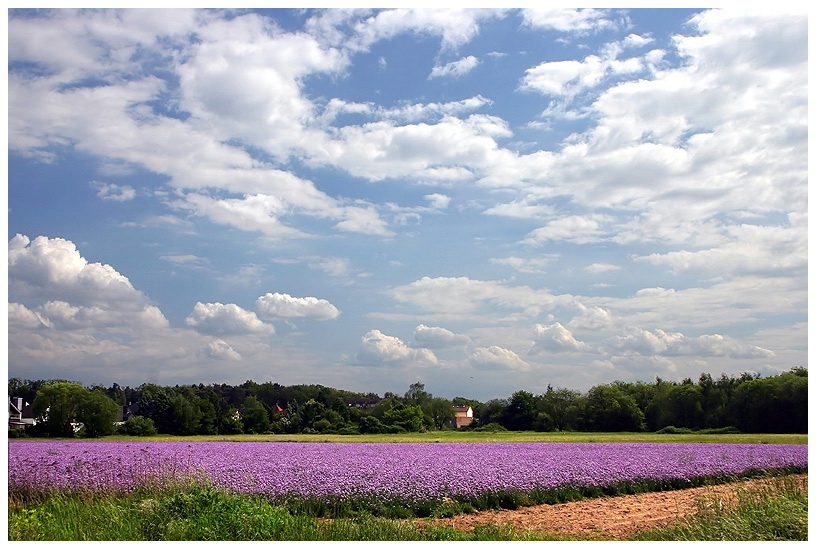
[(383, 472)]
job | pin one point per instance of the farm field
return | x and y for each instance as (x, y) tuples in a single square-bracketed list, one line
[(500, 436), (385, 480)]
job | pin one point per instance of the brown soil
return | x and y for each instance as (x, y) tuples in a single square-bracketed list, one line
[(608, 517)]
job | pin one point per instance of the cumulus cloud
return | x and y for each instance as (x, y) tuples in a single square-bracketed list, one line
[(659, 342), (377, 348), (219, 349), (555, 338), (456, 297), (494, 357), (111, 191), (71, 292), (226, 319), (455, 68), (455, 26), (591, 318), (53, 269), (277, 305), (574, 228), (439, 338), (580, 20)]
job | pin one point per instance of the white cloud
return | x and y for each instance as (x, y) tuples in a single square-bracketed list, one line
[(462, 297), (581, 20), (251, 213), (435, 337), (754, 249), (64, 316), (277, 305), (555, 338), (111, 191), (455, 68), (219, 349), (523, 264), (226, 319), (591, 318), (659, 342), (456, 26), (575, 228), (22, 318), (438, 201), (52, 269), (377, 348), (494, 357), (597, 268)]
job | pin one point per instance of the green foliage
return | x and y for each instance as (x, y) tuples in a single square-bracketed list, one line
[(202, 513), (98, 414), (138, 426), (254, 416), (608, 408), (492, 427), (746, 403), (57, 405), (521, 412)]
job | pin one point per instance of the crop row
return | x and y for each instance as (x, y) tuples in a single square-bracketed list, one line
[(406, 473)]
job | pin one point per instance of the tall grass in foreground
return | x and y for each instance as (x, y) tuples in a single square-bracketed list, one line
[(774, 512), (207, 514)]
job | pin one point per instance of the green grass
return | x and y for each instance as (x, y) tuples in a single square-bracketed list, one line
[(504, 436), (206, 514), (777, 512)]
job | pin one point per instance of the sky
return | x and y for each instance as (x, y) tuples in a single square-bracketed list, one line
[(482, 201)]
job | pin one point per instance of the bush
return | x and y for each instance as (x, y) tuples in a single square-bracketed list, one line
[(138, 426), (672, 430), (491, 428), (16, 433)]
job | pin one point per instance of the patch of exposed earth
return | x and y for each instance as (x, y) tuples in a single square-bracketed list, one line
[(616, 517)]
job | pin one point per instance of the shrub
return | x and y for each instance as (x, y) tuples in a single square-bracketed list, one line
[(672, 430), (491, 428), (138, 426)]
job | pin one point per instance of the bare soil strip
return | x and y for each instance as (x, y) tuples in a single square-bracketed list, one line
[(609, 517)]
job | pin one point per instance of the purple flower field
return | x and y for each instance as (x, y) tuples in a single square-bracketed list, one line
[(402, 471)]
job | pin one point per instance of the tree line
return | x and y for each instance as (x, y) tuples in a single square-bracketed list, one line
[(746, 403)]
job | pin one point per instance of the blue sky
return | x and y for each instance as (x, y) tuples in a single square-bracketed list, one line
[(478, 200)]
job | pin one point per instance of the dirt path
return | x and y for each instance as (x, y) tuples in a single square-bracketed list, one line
[(607, 517)]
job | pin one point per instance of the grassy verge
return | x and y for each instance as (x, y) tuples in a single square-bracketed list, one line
[(203, 513), (777, 512), (503, 436)]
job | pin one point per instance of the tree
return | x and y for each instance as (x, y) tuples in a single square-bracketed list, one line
[(98, 414), (491, 411), (772, 405), (185, 415), (441, 413), (402, 417), (254, 416), (521, 412), (57, 406), (608, 408), (561, 406), (154, 403)]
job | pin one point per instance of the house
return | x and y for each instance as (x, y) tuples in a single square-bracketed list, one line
[(463, 416), (127, 412), (362, 403), (21, 413)]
